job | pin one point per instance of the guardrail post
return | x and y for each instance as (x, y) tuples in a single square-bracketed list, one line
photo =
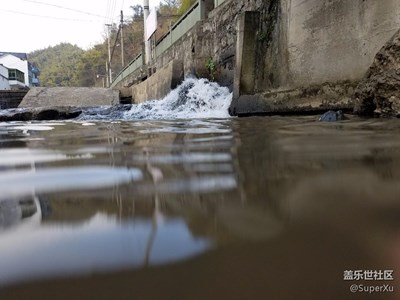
[(202, 9)]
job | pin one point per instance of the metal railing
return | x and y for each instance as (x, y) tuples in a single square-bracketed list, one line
[(178, 29), (218, 2), (133, 65)]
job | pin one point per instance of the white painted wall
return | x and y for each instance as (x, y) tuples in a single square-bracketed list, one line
[(4, 84), (13, 62)]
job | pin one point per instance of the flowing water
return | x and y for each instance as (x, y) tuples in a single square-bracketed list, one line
[(130, 205)]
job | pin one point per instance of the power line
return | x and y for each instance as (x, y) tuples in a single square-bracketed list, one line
[(63, 7), (107, 11), (114, 2), (46, 17), (110, 11)]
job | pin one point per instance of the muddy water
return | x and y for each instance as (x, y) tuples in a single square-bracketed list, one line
[(255, 208)]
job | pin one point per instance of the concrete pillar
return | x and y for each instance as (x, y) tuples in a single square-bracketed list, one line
[(245, 71), (202, 11), (146, 12)]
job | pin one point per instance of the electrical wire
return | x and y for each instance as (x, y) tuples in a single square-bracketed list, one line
[(107, 11), (63, 7), (110, 11), (114, 2), (46, 17)]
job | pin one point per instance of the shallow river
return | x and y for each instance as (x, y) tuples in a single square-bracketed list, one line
[(254, 208)]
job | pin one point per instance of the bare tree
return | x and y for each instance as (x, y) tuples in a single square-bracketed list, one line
[(137, 11), (171, 3)]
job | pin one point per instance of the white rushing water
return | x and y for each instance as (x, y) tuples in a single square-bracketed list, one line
[(193, 99)]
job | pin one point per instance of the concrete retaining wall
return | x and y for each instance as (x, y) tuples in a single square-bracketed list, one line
[(159, 84), (11, 99), (335, 40), (305, 45), (211, 39), (297, 46)]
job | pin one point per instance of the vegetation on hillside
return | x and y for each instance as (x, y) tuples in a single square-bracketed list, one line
[(68, 65), (58, 65)]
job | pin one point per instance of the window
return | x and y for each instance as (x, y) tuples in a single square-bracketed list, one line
[(14, 74)]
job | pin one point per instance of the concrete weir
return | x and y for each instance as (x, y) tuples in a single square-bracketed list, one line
[(69, 96), (159, 84)]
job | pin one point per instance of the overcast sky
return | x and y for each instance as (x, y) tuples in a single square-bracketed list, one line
[(28, 25)]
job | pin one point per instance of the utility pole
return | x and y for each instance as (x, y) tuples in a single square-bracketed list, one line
[(107, 75), (146, 11), (109, 53), (122, 39)]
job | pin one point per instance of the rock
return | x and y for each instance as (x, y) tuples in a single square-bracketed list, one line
[(379, 92), (332, 116), (42, 113), (7, 115), (57, 113)]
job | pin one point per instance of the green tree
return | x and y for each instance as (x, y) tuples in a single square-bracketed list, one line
[(58, 64), (91, 67), (185, 5)]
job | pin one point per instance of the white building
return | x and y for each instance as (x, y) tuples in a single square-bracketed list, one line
[(4, 84), (21, 74), (16, 66)]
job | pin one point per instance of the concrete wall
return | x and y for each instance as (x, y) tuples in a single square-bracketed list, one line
[(336, 40), (311, 54), (304, 47), (11, 99), (69, 96), (213, 38), (300, 42), (159, 84)]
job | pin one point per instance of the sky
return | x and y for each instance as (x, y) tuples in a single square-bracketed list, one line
[(28, 25)]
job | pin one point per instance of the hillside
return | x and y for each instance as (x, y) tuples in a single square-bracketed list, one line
[(58, 65)]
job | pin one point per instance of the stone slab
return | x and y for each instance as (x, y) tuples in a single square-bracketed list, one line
[(69, 96), (314, 99)]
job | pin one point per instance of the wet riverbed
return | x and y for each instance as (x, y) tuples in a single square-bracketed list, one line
[(254, 208)]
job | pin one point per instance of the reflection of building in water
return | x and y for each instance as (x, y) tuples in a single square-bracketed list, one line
[(14, 212), (187, 175)]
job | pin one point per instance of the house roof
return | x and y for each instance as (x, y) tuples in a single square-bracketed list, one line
[(20, 55)]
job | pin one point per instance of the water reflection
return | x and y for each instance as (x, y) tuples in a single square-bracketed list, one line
[(101, 244), (237, 209), (112, 196), (19, 212), (62, 179)]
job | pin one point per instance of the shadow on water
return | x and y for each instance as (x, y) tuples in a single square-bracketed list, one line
[(251, 208)]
